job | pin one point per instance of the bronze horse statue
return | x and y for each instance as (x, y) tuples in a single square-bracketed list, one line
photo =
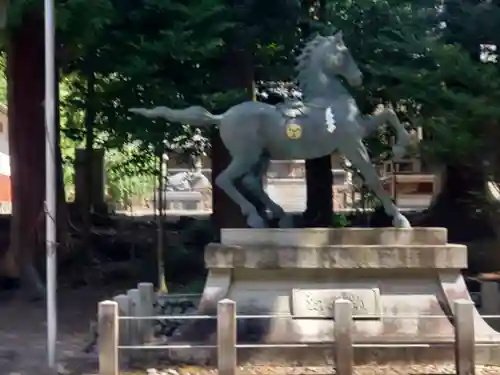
[(327, 120)]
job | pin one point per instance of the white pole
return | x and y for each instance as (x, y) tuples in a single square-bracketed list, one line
[(50, 181)]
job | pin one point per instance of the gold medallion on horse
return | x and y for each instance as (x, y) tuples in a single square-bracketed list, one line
[(293, 131)]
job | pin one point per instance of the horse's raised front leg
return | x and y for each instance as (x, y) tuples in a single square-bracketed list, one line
[(225, 180), (356, 152), (387, 115), (253, 182)]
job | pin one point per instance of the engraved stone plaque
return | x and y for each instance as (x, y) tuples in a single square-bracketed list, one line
[(319, 303)]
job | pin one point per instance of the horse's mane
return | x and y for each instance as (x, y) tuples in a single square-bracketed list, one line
[(306, 70), (304, 62)]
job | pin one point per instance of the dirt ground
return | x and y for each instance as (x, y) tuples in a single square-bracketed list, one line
[(23, 348)]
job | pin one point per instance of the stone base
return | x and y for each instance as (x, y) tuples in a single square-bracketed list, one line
[(183, 200), (387, 273)]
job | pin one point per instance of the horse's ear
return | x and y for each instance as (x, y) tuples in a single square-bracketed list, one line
[(337, 37)]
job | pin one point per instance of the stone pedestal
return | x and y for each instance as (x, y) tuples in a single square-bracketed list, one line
[(387, 273), (183, 200)]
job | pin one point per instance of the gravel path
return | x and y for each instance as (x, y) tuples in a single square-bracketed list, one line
[(435, 369)]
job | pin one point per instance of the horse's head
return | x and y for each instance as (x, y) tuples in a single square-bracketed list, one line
[(323, 59), (338, 60)]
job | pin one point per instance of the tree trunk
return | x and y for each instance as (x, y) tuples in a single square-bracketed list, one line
[(9, 271), (237, 74), (26, 92), (457, 207), (62, 207), (319, 181), (460, 209), (226, 213), (319, 178), (89, 164)]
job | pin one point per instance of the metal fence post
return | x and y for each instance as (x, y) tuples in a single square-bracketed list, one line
[(226, 337), (344, 351), (108, 338), (464, 337)]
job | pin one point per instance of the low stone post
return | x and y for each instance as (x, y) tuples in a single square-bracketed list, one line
[(226, 337), (344, 351), (490, 298), (134, 325), (146, 296), (123, 302), (464, 337), (108, 338)]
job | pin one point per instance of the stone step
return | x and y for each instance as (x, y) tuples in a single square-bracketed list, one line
[(449, 256), (334, 236)]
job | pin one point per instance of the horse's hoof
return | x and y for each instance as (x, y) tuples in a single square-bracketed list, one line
[(400, 221), (256, 221), (286, 222)]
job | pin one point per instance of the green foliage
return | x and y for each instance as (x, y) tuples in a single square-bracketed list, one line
[(340, 221), (150, 52), (130, 177), (141, 53), (17, 10), (172, 52), (154, 52), (409, 63), (3, 79)]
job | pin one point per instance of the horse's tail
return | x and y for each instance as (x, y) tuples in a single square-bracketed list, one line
[(194, 115)]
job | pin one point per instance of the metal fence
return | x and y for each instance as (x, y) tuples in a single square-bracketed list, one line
[(135, 312)]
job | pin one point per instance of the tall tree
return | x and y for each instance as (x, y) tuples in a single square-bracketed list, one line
[(262, 31), (26, 93), (469, 24), (237, 73), (431, 73)]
